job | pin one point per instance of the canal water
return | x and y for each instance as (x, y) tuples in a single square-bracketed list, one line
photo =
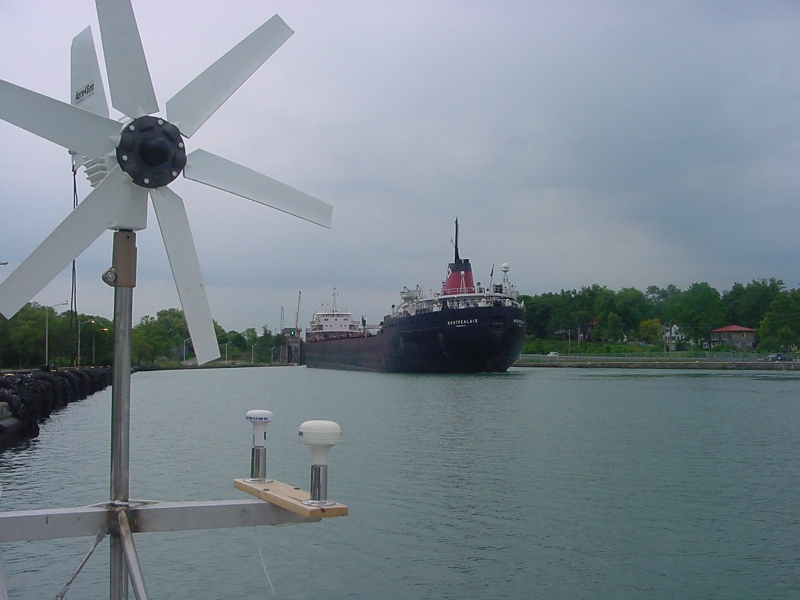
[(536, 483)]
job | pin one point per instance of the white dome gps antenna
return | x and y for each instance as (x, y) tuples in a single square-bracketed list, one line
[(320, 437), (258, 459)]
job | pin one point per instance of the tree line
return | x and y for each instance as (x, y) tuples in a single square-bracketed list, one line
[(37, 335), (596, 313)]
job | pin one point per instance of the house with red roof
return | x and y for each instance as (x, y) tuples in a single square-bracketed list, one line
[(735, 336)]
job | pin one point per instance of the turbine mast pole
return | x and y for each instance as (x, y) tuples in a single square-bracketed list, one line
[(122, 277)]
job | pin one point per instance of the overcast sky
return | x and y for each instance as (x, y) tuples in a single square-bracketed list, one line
[(627, 144)]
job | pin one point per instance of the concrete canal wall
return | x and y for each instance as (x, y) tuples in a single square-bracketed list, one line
[(655, 362), (29, 397)]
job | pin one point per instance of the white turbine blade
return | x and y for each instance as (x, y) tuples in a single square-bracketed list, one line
[(178, 240), (75, 233), (195, 103), (74, 129), (126, 66), (223, 174), (87, 82)]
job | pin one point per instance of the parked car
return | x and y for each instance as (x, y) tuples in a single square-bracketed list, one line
[(777, 357), (553, 355)]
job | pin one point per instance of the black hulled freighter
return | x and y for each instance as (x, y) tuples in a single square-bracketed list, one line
[(466, 328)]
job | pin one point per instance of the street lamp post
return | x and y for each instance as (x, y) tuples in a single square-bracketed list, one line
[(79, 339), (252, 353), (184, 348), (47, 328), (226, 351), (94, 361)]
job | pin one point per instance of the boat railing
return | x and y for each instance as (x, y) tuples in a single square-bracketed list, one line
[(483, 302), (454, 303)]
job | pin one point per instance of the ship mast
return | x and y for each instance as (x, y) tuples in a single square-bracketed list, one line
[(457, 260)]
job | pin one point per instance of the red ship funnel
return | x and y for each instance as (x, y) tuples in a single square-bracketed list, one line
[(459, 274), (459, 278)]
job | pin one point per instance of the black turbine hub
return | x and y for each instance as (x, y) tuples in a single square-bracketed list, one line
[(151, 151)]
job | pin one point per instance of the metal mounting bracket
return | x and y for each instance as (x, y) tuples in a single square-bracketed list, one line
[(123, 269)]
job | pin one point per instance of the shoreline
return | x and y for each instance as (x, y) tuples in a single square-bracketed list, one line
[(29, 396), (588, 362)]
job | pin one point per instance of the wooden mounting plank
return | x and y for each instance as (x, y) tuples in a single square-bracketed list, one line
[(289, 497)]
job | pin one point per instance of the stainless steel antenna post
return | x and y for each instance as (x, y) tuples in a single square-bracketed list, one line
[(320, 437), (258, 457)]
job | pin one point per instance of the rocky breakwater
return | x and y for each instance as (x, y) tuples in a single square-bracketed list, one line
[(27, 398)]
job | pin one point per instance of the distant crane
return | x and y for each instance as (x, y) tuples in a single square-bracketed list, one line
[(290, 350), (297, 315)]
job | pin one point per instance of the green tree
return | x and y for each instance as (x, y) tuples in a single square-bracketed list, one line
[(632, 307), (172, 327), (780, 328), (566, 315), (5, 346), (96, 340), (747, 305), (697, 311), (266, 342), (662, 299), (38, 334), (539, 313), (237, 340), (650, 331), (610, 327), (147, 341), (26, 336), (596, 303), (164, 336), (250, 336), (64, 338)]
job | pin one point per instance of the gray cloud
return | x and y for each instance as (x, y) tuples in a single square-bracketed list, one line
[(618, 143)]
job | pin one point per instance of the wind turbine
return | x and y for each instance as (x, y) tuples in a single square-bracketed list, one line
[(129, 162), (144, 155)]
